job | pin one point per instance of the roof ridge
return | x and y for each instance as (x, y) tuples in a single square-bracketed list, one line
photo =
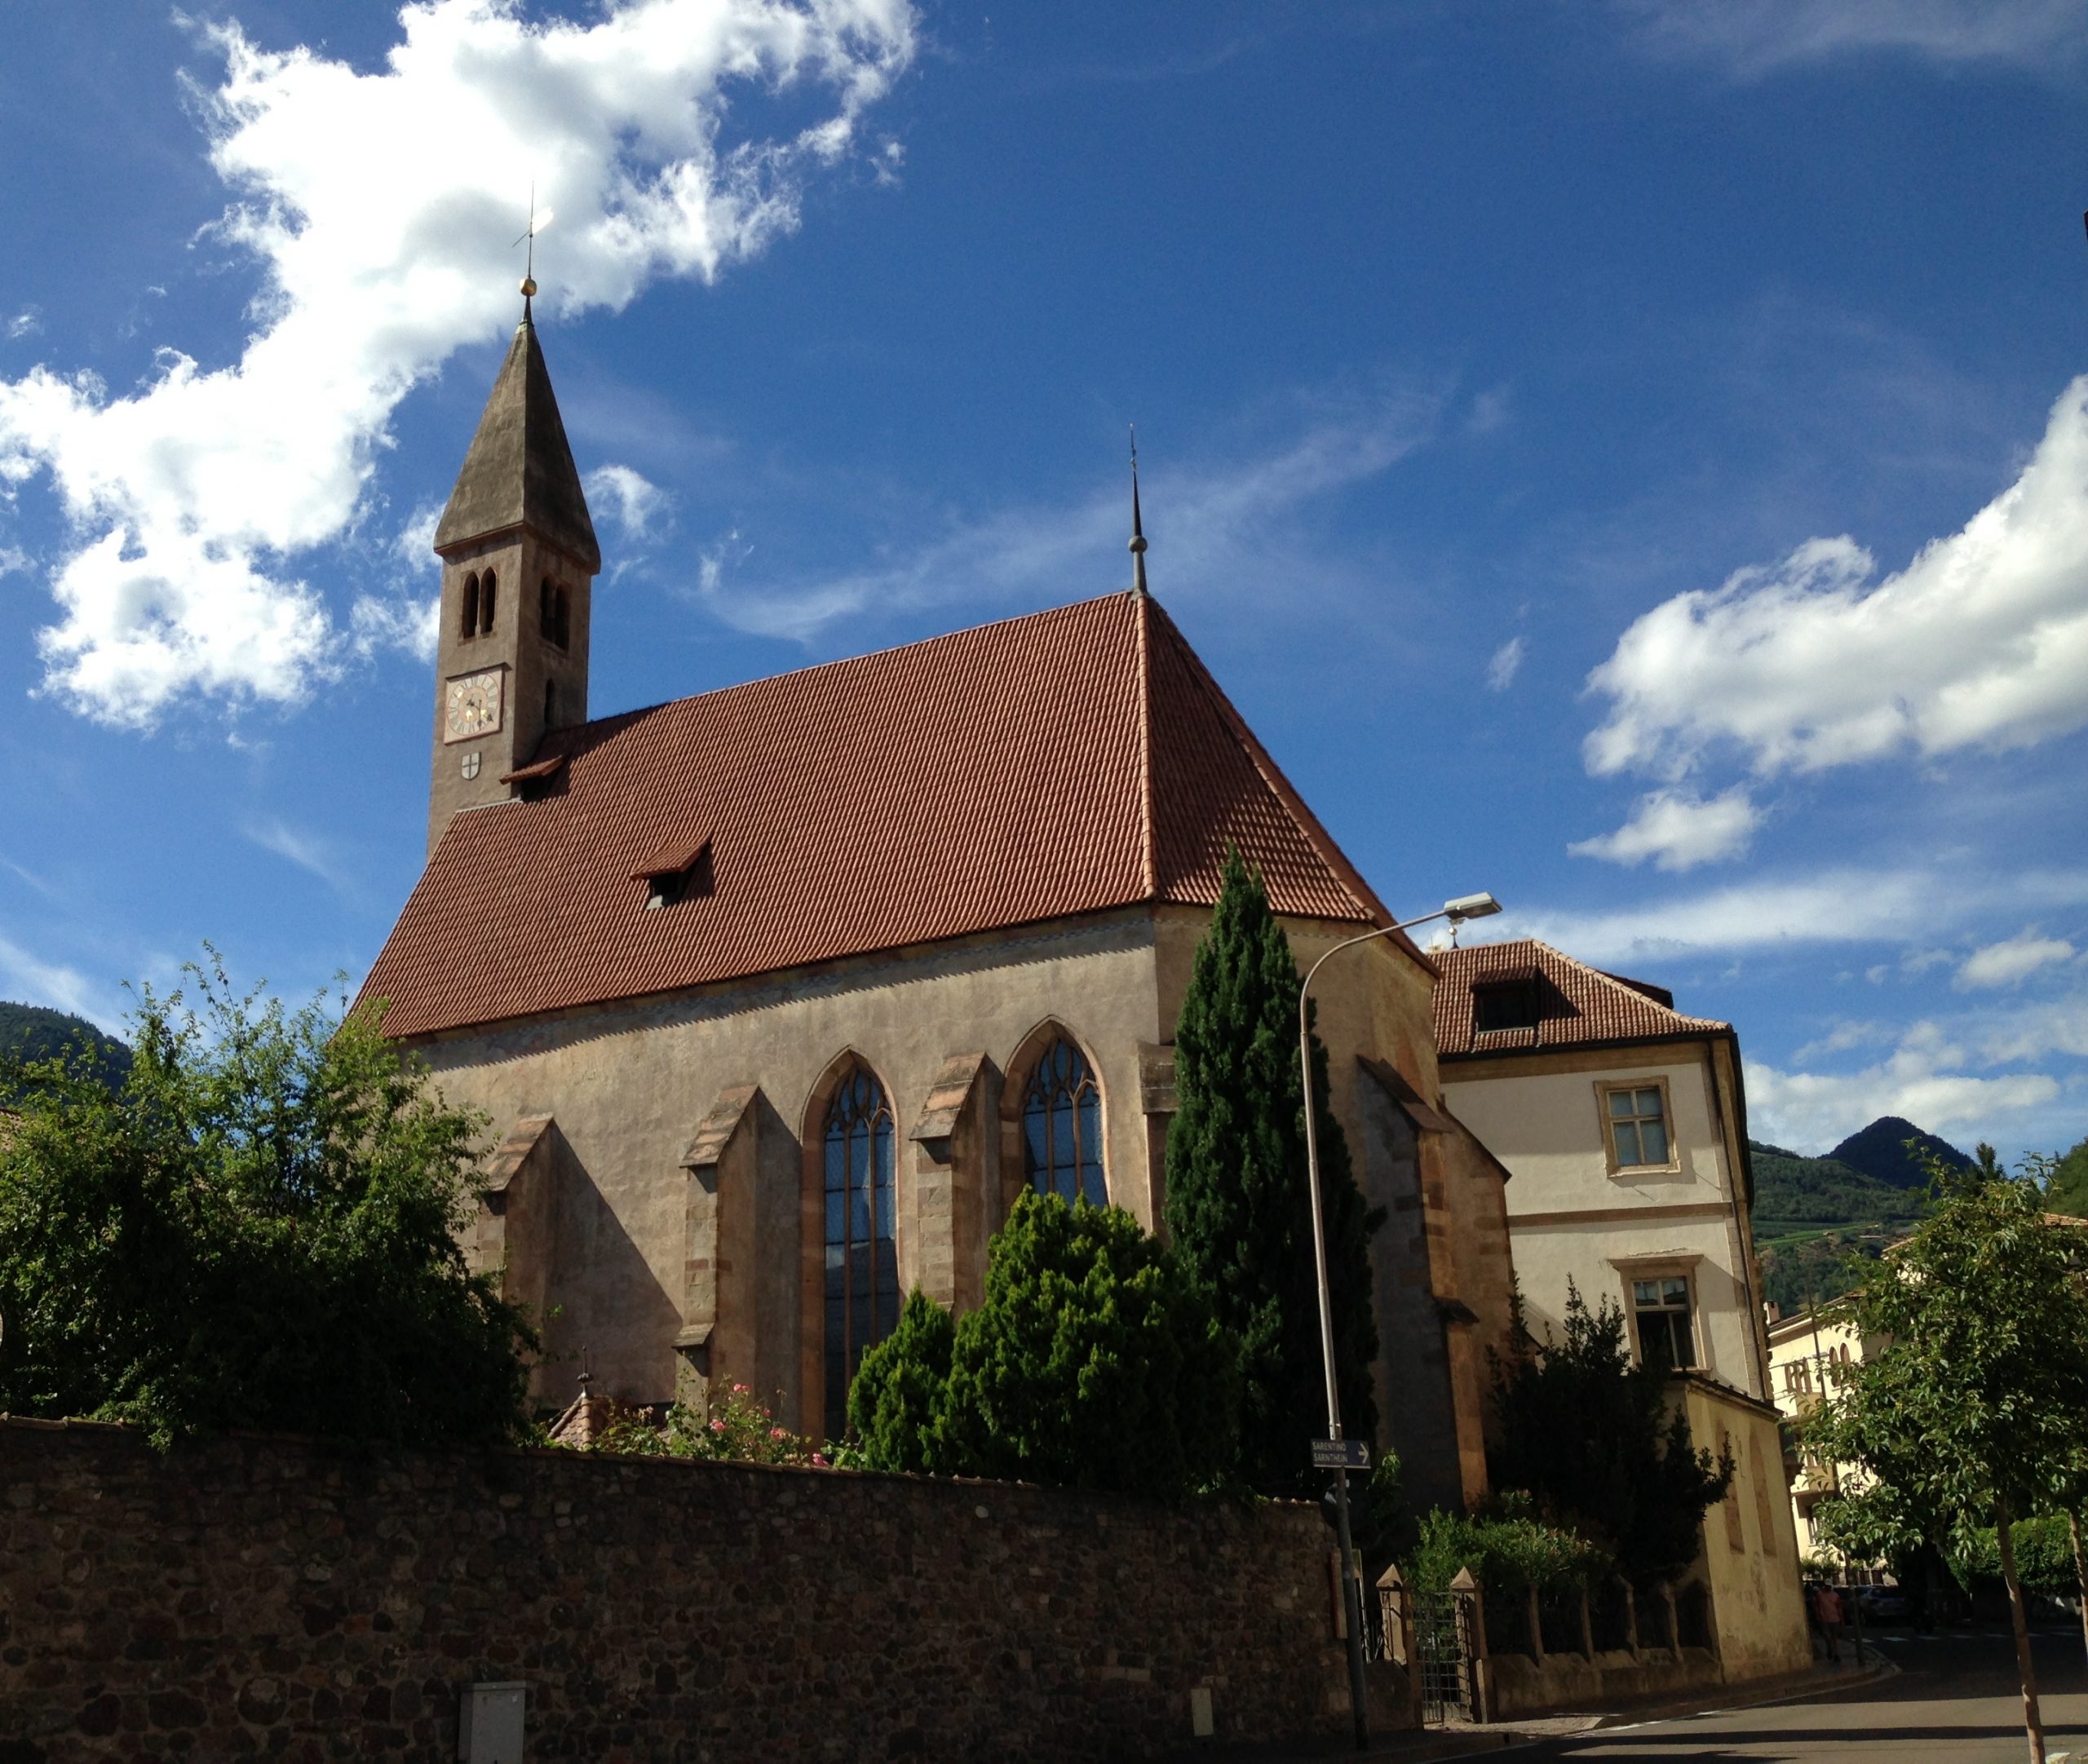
[(1149, 834), (1316, 836), (1040, 615)]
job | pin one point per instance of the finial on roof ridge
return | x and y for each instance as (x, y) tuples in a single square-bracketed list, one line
[(1138, 529)]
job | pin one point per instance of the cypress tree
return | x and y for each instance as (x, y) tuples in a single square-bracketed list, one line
[(1238, 1197)]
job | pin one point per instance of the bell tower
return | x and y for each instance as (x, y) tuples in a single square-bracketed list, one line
[(519, 563)]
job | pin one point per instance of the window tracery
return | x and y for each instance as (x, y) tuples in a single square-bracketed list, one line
[(862, 1293), (1062, 1127)]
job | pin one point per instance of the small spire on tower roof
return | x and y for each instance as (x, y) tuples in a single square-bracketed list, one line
[(1137, 530)]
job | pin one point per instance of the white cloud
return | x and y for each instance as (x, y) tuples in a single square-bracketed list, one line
[(378, 207), (1922, 1081), (50, 983), (1678, 830), (25, 323), (1843, 1037), (398, 622), (628, 498), (13, 560), (415, 544), (1981, 641), (2011, 960), (1756, 36), (1849, 905), (306, 850), (1214, 523), (1840, 906), (1506, 663)]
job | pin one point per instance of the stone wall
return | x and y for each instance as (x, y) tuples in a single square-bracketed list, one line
[(256, 1596)]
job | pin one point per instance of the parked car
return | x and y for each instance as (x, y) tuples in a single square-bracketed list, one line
[(1883, 1604)]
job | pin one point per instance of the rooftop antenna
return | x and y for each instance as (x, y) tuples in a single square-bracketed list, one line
[(529, 269), (1138, 531)]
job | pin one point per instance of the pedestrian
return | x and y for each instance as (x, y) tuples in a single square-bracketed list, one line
[(1827, 1607)]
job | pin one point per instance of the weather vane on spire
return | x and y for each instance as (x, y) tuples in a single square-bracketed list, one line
[(529, 233), (1137, 530)]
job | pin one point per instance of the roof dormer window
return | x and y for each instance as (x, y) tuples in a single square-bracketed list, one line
[(679, 870), (1504, 1004)]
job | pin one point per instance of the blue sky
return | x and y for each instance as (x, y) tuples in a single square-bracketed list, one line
[(1625, 454)]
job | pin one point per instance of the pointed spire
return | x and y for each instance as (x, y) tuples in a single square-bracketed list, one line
[(519, 470), (1138, 529)]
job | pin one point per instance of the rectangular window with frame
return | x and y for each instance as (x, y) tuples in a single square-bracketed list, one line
[(1636, 1119), (1660, 1317)]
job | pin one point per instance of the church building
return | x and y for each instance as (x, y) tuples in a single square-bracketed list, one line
[(779, 995)]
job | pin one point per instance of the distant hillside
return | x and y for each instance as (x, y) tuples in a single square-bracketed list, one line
[(1812, 1214), (1881, 1151), (2070, 1190), (1789, 1189), (32, 1032)]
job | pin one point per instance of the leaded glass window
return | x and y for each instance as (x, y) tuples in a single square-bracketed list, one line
[(1062, 1127), (862, 1255)]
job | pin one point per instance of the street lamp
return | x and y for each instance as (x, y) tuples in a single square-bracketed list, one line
[(1465, 907)]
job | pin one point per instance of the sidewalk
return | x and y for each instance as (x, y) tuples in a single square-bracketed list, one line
[(1459, 1739)]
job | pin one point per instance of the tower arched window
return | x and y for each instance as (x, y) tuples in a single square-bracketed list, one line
[(1062, 1127), (553, 613), (862, 1254), (468, 625), (489, 599)]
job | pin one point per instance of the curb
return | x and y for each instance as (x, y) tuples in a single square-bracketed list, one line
[(1801, 1690)]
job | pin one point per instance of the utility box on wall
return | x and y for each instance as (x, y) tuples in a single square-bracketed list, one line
[(489, 1724)]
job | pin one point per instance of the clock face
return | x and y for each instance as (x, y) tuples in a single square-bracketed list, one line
[(471, 705)]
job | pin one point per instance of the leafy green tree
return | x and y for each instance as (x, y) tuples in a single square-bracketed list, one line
[(899, 1403), (257, 1229), (1969, 1413), (1239, 1210), (1596, 1444), (1095, 1361)]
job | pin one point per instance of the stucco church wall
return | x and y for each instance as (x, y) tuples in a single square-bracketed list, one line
[(628, 1084), (270, 1596)]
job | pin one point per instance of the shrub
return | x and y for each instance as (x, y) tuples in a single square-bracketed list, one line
[(735, 1430), (1095, 1361), (898, 1404)]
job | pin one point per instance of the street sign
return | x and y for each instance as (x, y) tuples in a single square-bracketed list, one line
[(1341, 1454)]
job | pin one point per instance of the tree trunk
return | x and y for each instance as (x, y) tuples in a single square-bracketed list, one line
[(2080, 1568), (2033, 1723)]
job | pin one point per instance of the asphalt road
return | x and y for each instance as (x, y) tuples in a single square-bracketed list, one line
[(1956, 1698)]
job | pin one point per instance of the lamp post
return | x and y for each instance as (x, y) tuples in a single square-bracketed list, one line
[(1457, 912)]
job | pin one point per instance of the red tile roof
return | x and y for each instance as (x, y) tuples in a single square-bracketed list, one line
[(1065, 762), (1577, 1005)]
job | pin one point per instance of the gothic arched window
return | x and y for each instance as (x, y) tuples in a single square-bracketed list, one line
[(1062, 1127), (470, 626), (562, 607), (488, 596), (862, 1255)]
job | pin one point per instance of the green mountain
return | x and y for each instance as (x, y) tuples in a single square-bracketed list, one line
[(2069, 1192), (1813, 1215), (1881, 1151), (1791, 1190), (34, 1032)]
